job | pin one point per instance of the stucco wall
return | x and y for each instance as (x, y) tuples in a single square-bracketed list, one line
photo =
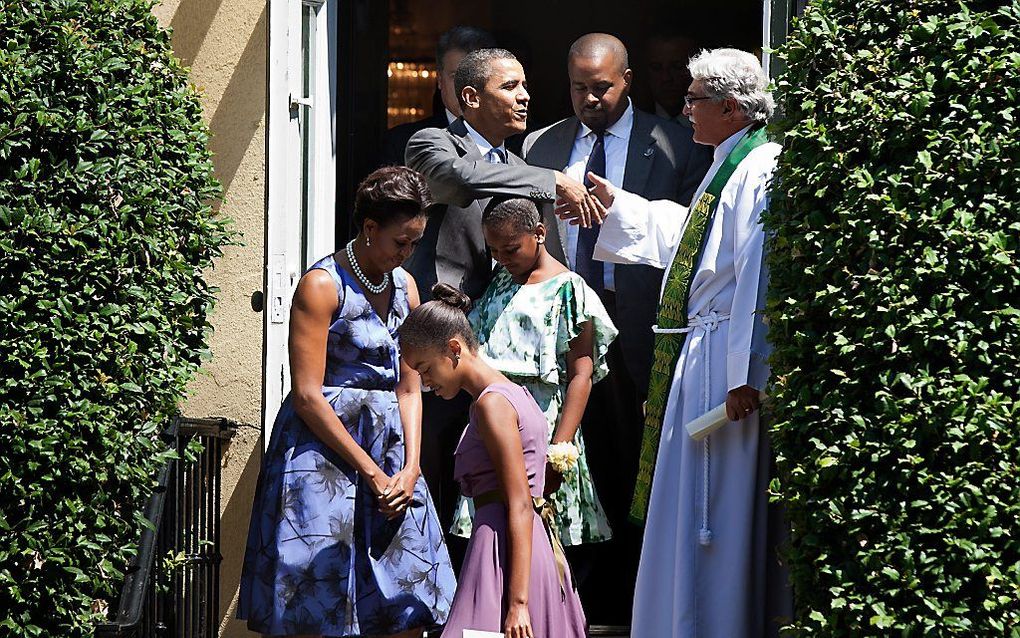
[(224, 42)]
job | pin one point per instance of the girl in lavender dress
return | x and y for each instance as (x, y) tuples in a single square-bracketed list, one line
[(344, 540), (514, 578)]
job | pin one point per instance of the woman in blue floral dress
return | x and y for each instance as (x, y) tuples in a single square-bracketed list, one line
[(344, 539)]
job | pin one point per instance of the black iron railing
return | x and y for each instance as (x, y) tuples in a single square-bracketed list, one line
[(172, 587)]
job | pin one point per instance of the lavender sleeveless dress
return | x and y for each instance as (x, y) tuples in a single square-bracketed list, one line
[(320, 558), (480, 602)]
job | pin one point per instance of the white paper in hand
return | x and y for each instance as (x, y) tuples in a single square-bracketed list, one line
[(474, 633), (710, 421)]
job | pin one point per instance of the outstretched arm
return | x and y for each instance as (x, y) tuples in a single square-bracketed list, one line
[(636, 230), (457, 180)]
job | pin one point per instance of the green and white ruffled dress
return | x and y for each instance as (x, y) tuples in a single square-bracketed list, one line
[(524, 331)]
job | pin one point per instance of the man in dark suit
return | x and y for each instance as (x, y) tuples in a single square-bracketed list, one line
[(466, 165), (451, 48), (659, 160), (668, 54)]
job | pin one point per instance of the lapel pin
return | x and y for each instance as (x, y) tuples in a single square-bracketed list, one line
[(648, 152)]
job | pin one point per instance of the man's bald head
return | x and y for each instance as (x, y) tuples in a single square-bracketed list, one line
[(599, 80), (600, 46)]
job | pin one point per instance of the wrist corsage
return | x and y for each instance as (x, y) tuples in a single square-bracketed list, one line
[(563, 457)]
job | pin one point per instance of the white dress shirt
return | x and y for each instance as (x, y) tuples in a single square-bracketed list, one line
[(485, 148), (450, 117), (617, 139)]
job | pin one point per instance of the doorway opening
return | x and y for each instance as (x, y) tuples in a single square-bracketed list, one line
[(387, 77)]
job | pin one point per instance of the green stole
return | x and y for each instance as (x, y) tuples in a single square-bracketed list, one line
[(673, 315)]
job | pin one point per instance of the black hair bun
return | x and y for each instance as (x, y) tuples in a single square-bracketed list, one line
[(450, 296)]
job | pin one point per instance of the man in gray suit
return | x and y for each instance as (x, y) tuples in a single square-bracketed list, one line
[(466, 164), (659, 160)]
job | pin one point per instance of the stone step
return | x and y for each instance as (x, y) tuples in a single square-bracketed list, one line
[(595, 631)]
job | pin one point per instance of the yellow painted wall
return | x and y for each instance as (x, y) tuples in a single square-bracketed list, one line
[(224, 43)]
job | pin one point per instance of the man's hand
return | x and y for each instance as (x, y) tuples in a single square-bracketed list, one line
[(575, 204), (741, 402)]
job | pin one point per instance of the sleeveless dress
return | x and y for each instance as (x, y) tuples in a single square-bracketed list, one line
[(524, 331), (320, 557), (480, 602)]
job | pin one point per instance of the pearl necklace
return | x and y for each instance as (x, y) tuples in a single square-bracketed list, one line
[(369, 286)]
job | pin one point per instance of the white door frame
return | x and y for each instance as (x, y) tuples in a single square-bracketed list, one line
[(300, 171), (775, 25)]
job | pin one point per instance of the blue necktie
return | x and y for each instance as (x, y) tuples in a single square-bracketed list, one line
[(591, 270), (496, 156)]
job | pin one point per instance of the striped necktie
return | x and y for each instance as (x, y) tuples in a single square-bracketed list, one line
[(496, 156)]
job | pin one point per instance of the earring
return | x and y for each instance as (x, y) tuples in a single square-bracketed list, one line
[(456, 357), (368, 242), (542, 240)]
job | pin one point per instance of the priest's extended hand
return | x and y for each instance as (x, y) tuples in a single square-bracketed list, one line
[(601, 189)]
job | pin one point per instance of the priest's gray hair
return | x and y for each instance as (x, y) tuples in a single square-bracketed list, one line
[(732, 73)]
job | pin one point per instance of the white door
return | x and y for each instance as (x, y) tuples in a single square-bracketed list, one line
[(301, 171), (776, 19)]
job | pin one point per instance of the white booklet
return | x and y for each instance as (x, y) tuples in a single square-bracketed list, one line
[(474, 633), (710, 421)]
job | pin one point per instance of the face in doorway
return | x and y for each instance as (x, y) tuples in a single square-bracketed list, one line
[(448, 69), (440, 368), (500, 108), (668, 75), (599, 87), (517, 250), (387, 246)]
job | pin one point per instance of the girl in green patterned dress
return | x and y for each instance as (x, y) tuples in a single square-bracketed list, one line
[(540, 325)]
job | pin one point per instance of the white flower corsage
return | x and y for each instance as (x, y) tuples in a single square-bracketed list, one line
[(563, 457)]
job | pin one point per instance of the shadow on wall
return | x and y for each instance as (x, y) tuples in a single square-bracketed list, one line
[(242, 106), (234, 532), (191, 24), (207, 35)]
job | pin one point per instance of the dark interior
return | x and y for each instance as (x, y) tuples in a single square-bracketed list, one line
[(373, 34)]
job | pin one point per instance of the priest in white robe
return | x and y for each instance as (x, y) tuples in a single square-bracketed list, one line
[(705, 569)]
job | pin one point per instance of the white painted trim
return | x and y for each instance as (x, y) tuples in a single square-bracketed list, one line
[(323, 200), (283, 247), (766, 37)]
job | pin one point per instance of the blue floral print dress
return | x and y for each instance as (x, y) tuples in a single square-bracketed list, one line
[(321, 559)]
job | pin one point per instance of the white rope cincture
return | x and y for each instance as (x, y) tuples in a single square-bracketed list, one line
[(708, 324)]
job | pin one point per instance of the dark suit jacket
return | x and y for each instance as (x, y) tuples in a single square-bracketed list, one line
[(462, 182), (395, 139), (663, 162)]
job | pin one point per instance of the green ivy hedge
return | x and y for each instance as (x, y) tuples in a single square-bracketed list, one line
[(895, 312), (106, 230)]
